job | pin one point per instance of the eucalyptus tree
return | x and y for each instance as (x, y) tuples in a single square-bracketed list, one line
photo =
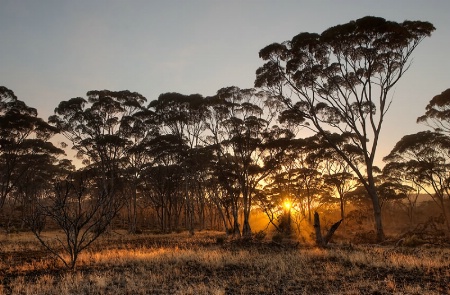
[(338, 175), (423, 158), (398, 175), (340, 81), (219, 201), (281, 187), (44, 170), (99, 129), (139, 128), (24, 143), (163, 179), (437, 114), (200, 161), (183, 116), (241, 131)]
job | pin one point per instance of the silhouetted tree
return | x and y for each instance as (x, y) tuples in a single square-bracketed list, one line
[(338, 175), (398, 174), (139, 128), (183, 116), (240, 124), (163, 179), (79, 206), (424, 159), (437, 114), (99, 129), (339, 81), (24, 145)]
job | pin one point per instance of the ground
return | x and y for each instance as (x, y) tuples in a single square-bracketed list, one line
[(209, 263)]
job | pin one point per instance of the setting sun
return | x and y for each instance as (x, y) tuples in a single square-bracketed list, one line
[(287, 205)]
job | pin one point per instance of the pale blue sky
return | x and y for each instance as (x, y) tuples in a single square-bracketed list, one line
[(53, 50)]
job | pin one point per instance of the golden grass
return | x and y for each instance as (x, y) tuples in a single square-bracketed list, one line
[(180, 264)]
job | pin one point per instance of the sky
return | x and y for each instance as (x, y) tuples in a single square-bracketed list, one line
[(54, 50)]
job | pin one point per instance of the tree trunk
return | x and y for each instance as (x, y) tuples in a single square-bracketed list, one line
[(341, 199), (377, 213), (236, 227), (246, 230), (133, 211), (444, 212), (309, 210), (320, 240)]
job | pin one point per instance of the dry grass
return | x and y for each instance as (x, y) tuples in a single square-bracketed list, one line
[(180, 264)]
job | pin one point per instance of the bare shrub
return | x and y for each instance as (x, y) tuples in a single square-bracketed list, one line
[(80, 210)]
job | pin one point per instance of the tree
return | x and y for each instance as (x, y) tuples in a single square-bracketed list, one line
[(340, 80), (398, 187), (100, 131), (24, 144), (183, 116), (337, 173), (424, 159), (163, 179), (240, 124), (437, 115), (79, 207), (139, 128)]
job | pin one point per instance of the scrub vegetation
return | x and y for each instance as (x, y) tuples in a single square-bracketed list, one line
[(271, 189), (208, 263)]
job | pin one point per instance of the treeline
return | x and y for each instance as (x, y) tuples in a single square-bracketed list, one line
[(193, 162)]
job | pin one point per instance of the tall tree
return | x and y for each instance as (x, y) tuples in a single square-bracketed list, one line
[(424, 159), (140, 127), (337, 173), (24, 144), (183, 116), (163, 179), (241, 124), (99, 129), (340, 80)]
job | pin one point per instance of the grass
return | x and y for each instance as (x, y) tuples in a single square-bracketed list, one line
[(181, 264)]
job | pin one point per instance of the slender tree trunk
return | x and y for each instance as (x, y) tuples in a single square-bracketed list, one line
[(444, 212), (246, 229), (235, 212), (341, 199), (318, 231), (309, 208), (133, 211), (222, 215), (377, 212)]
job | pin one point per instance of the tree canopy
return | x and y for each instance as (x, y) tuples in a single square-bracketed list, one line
[(339, 80)]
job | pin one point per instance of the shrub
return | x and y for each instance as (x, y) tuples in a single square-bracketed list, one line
[(260, 235), (278, 238), (220, 240)]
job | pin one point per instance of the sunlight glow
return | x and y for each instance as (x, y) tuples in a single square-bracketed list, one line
[(287, 205)]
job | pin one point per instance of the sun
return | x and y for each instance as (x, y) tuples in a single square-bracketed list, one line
[(287, 205)]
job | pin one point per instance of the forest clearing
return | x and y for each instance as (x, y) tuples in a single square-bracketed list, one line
[(209, 263)]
